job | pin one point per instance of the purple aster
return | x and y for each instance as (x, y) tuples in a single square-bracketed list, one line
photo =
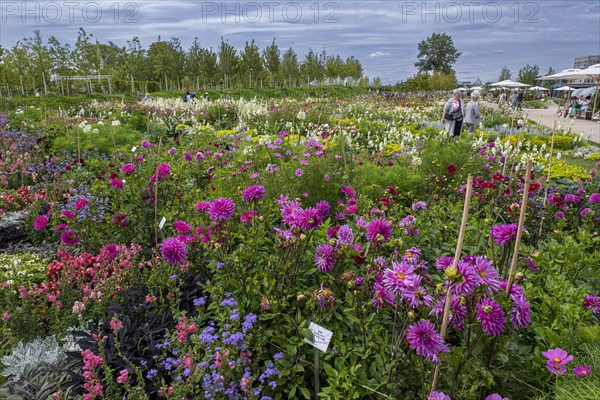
[(488, 275), (182, 227), (458, 313), (253, 193), (221, 209), (173, 251), (162, 171), (308, 219), (520, 317), (379, 231), (443, 262), (419, 205), (145, 144), (290, 213), (299, 172), (345, 235), (69, 238), (381, 296), (423, 338), (503, 234), (438, 396), (465, 280), (68, 214), (324, 258), (582, 371), (172, 151), (40, 223), (532, 266), (323, 208), (414, 294), (491, 317), (396, 278), (408, 221), (496, 396), (556, 360), (348, 191), (128, 169)]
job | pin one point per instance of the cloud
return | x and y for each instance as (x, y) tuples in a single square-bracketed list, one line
[(377, 54)]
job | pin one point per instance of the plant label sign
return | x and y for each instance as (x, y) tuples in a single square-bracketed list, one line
[(133, 149), (162, 222), (322, 337)]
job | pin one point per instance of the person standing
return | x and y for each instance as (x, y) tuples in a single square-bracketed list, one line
[(502, 99), (453, 114), (520, 96), (473, 113)]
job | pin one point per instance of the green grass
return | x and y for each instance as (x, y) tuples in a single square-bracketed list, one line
[(581, 162)]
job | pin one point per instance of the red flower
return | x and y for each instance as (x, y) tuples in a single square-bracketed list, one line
[(451, 169)]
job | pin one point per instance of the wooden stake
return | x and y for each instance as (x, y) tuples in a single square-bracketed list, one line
[(156, 192), (515, 258), (459, 245), (547, 181)]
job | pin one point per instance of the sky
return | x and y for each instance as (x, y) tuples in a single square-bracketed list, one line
[(383, 35)]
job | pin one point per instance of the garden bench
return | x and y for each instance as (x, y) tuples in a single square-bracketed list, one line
[(584, 115)]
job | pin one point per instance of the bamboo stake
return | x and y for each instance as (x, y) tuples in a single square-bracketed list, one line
[(515, 258), (547, 181), (459, 245), (156, 192)]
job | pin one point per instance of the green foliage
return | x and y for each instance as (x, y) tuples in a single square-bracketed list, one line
[(569, 172), (437, 54)]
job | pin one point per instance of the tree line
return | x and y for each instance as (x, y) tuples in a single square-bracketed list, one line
[(33, 65)]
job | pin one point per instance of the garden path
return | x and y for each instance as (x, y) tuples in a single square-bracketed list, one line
[(589, 130)]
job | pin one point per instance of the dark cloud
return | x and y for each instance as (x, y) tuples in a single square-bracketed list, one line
[(382, 34)]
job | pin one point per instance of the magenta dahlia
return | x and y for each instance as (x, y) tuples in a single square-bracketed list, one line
[(40, 223), (254, 193), (423, 338), (491, 317), (173, 251), (379, 231), (324, 259), (221, 209)]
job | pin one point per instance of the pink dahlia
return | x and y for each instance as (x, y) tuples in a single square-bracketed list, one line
[(40, 223), (465, 280), (379, 231), (221, 209), (323, 208), (163, 171), (396, 278), (381, 296), (348, 191), (69, 238), (592, 303), (254, 193), (487, 273), (202, 206), (128, 169), (503, 234), (81, 204), (182, 227), (117, 183), (491, 317), (309, 219), (423, 338), (496, 396), (594, 198), (173, 251)]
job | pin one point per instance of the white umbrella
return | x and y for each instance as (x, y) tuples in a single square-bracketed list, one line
[(509, 83), (538, 88), (566, 74), (462, 89), (477, 88), (563, 89), (583, 91), (594, 73)]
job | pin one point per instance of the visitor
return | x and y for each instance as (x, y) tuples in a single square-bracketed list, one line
[(205, 96), (513, 100), (453, 114), (187, 98), (473, 113), (502, 99), (520, 97)]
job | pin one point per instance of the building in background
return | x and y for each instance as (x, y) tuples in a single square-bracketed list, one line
[(587, 61)]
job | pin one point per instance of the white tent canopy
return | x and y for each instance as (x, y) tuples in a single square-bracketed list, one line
[(583, 92), (509, 83), (563, 89), (538, 88), (567, 74)]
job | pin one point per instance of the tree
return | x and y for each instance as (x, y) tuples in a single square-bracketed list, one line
[(504, 74), (529, 74), (163, 58), (437, 54), (312, 69), (228, 62), (289, 66), (271, 60), (40, 58), (250, 66)]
